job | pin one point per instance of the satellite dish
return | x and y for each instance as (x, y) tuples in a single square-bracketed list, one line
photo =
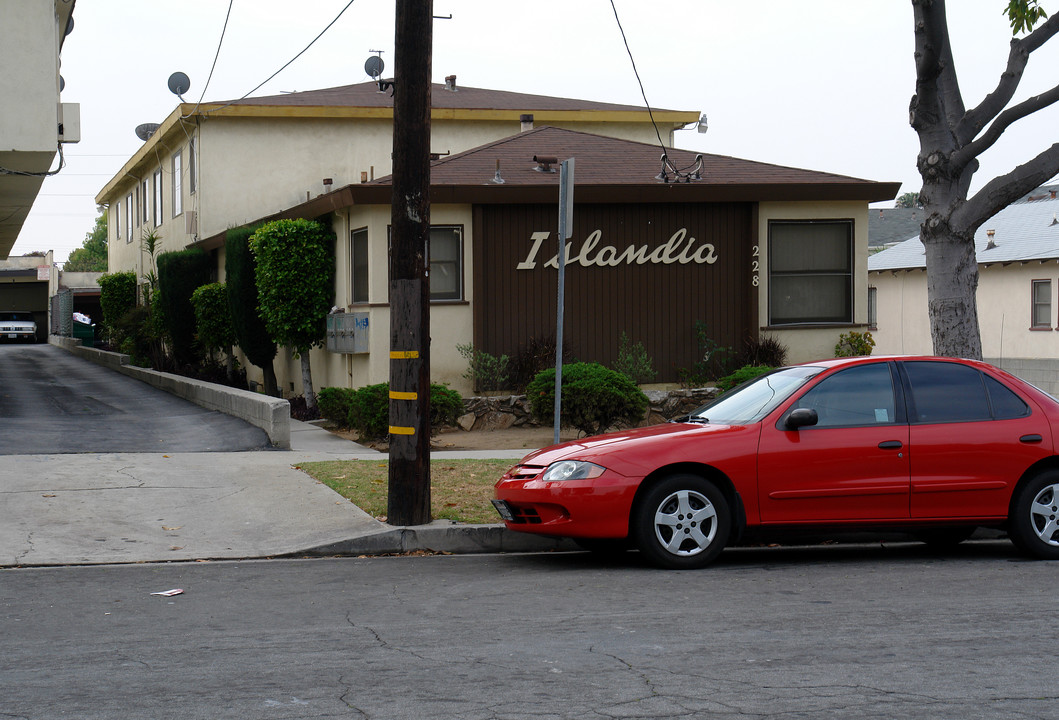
[(374, 66), (145, 131), (62, 84), (179, 84)]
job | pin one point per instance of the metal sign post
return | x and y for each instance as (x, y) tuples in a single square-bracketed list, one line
[(566, 229)]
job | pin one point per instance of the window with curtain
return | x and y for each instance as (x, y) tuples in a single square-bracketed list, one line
[(810, 272)]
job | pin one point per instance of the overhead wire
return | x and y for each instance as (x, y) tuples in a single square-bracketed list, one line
[(286, 64), (680, 173), (216, 55)]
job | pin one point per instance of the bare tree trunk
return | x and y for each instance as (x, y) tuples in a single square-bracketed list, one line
[(307, 382), (952, 284)]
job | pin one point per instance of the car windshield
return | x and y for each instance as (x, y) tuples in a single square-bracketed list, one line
[(755, 398), (16, 316)]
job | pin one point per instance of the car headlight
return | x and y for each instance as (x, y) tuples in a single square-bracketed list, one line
[(571, 470)]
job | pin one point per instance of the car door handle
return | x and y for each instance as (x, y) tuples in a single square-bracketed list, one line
[(1031, 439), (890, 445)]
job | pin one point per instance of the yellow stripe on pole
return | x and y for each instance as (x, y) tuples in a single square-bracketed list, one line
[(394, 395), (402, 430), (404, 354)]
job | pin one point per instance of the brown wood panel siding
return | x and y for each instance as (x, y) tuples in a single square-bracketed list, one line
[(657, 304)]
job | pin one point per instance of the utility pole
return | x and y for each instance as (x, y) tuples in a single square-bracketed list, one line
[(409, 468)]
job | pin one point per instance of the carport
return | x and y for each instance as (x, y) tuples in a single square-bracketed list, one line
[(26, 284)]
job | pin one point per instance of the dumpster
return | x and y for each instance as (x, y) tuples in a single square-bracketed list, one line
[(85, 332)]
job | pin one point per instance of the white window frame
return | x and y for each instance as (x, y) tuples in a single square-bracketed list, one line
[(159, 215), (177, 184)]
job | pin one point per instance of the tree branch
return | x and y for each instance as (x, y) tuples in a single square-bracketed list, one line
[(937, 86), (1001, 191), (974, 120), (1006, 119)]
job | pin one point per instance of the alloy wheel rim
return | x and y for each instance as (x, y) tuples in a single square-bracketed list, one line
[(1044, 512), (685, 523)]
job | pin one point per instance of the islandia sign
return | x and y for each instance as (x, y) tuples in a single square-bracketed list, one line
[(680, 248)]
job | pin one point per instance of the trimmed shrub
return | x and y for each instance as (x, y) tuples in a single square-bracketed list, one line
[(486, 372), (335, 404), (740, 376), (594, 398), (369, 408), (213, 317), (250, 333), (116, 297), (179, 275)]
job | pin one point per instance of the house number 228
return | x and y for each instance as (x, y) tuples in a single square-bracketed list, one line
[(754, 268)]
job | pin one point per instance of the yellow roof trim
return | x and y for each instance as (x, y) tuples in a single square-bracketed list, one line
[(146, 150)]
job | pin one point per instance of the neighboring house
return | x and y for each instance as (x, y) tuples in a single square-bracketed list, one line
[(748, 249), (33, 122), (26, 283), (212, 166), (889, 226), (1018, 264)]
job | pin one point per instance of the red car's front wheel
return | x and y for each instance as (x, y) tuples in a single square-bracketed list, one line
[(682, 522)]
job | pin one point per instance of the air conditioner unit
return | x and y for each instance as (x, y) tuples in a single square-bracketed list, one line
[(191, 222)]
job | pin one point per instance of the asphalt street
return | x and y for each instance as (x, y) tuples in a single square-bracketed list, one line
[(868, 631), (52, 402)]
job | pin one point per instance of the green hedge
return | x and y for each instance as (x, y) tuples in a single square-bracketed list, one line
[(367, 410), (595, 398)]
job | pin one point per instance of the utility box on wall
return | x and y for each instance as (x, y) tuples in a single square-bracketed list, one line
[(347, 333)]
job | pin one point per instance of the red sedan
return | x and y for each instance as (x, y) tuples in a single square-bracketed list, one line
[(934, 446)]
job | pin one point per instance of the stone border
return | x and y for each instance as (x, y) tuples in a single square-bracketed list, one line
[(506, 411), (268, 413)]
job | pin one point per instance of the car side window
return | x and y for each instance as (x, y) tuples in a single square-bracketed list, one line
[(944, 392), (1006, 404), (862, 395)]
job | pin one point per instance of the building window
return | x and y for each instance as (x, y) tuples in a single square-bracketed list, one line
[(117, 221), (129, 210), (1042, 304), (193, 165), (178, 200), (358, 250), (445, 255), (810, 272), (145, 197), (445, 262), (158, 216), (873, 308)]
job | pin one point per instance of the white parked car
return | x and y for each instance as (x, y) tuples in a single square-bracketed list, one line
[(17, 325)]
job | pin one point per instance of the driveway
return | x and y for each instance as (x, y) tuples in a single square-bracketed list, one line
[(53, 402)]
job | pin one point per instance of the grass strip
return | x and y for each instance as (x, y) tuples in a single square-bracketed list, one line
[(460, 490)]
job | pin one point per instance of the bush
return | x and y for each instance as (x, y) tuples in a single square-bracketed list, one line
[(213, 317), (536, 355), (369, 409), (116, 297), (633, 362), (138, 338), (740, 376), (594, 398), (486, 372), (180, 273), (717, 360), (764, 350), (854, 344), (335, 404)]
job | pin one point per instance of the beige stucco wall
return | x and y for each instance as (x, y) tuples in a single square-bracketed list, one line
[(809, 343), (1004, 307), (29, 85)]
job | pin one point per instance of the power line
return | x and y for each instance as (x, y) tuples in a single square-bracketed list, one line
[(215, 56), (284, 67)]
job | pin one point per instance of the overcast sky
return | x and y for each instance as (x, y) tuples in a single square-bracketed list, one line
[(816, 84)]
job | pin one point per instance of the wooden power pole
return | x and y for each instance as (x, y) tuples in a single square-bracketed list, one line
[(409, 474)]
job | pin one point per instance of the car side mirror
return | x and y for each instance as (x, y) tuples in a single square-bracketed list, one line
[(801, 417)]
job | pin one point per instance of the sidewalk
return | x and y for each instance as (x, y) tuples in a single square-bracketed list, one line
[(132, 508)]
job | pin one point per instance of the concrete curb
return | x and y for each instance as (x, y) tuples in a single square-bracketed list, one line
[(441, 536), (268, 413)]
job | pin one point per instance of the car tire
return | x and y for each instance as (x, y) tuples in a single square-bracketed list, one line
[(681, 523), (1034, 521)]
